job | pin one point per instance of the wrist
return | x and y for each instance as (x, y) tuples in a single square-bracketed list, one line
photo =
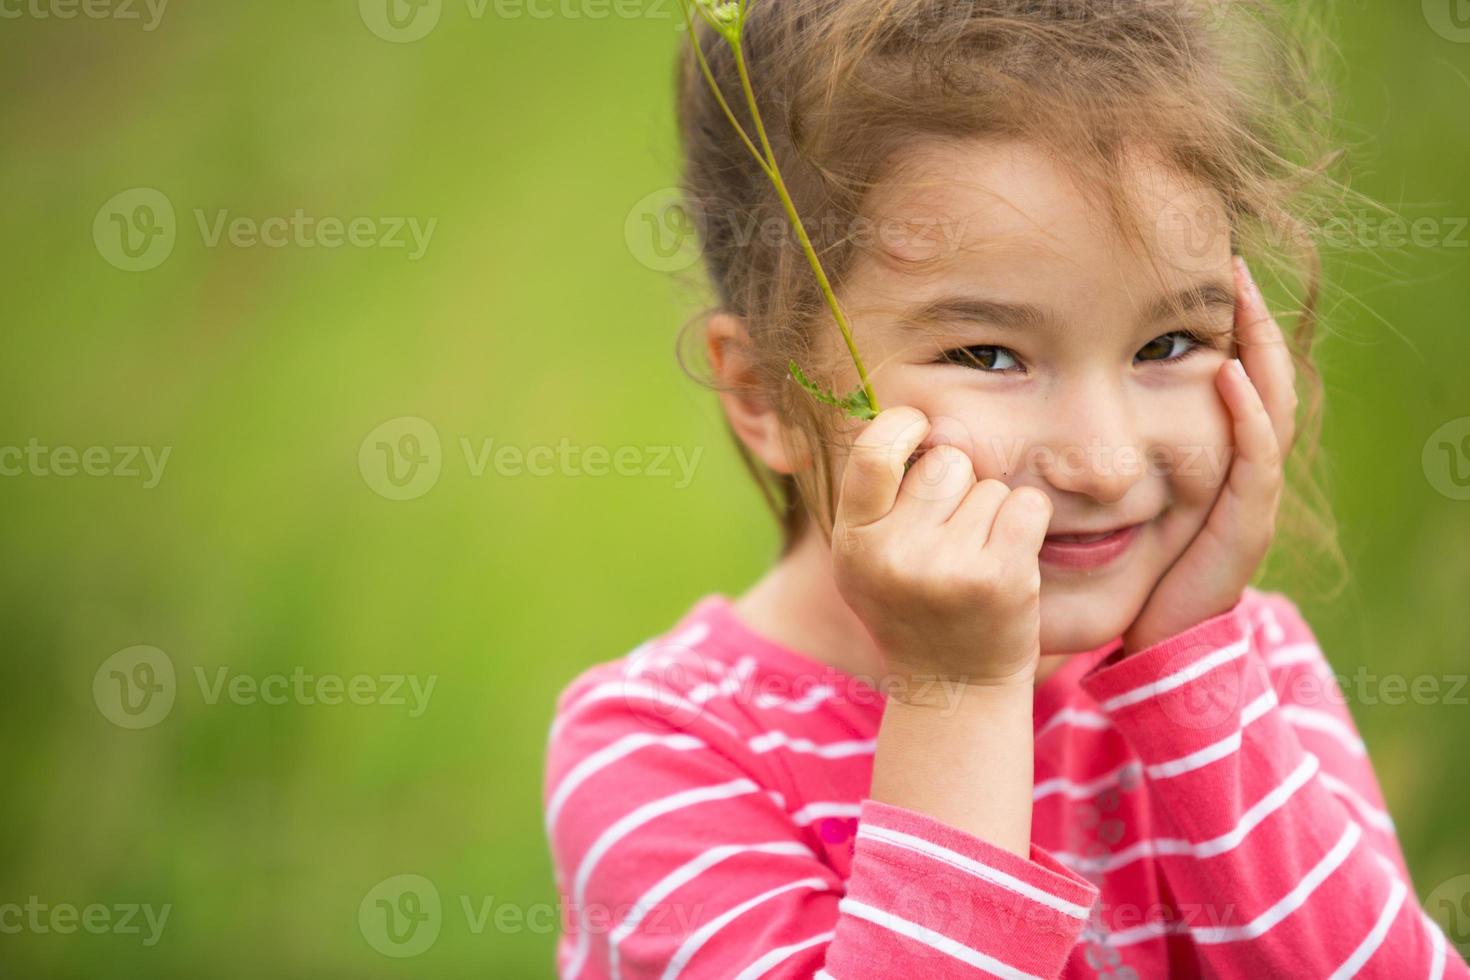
[(915, 687), (967, 762), (917, 696), (1145, 634)]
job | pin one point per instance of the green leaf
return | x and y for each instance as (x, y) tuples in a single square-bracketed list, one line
[(856, 404)]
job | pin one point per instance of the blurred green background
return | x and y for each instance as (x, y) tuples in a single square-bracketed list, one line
[(532, 132)]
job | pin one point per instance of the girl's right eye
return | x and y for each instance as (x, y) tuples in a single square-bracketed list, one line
[(984, 357)]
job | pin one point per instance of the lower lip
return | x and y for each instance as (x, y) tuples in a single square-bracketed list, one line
[(1089, 554)]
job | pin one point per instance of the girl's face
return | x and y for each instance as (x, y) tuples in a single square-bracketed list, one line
[(1037, 341)]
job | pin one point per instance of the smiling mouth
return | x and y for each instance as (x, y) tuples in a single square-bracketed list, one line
[(1084, 538), (1090, 550)]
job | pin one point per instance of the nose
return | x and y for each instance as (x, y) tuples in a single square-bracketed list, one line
[(1096, 446)]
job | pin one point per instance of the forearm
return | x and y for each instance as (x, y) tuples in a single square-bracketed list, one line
[(1276, 874), (943, 855), (967, 763)]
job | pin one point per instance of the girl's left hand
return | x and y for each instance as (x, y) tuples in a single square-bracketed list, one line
[(1259, 391)]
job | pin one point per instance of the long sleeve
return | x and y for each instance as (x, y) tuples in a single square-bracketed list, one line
[(675, 859), (1271, 830)]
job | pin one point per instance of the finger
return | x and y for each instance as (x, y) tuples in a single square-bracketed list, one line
[(975, 515), (1253, 487), (935, 486), (1020, 525), (1266, 356), (874, 469)]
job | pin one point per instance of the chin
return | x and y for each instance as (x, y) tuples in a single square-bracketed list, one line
[(1077, 622)]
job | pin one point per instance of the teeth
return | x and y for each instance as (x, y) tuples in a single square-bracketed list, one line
[(1082, 538)]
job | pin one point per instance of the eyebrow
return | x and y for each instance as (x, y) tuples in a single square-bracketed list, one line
[(1200, 297)]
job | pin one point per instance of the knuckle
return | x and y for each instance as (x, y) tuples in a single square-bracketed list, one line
[(869, 456), (985, 572), (901, 415), (1034, 501), (947, 456), (889, 569)]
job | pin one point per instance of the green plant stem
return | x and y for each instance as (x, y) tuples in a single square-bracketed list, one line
[(806, 243), (715, 88)]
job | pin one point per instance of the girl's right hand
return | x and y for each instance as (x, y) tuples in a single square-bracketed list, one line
[(941, 569)]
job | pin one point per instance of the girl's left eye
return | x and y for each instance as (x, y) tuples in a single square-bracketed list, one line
[(987, 358), (1162, 347)]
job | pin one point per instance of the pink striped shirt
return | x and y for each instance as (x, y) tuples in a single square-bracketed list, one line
[(1204, 807)]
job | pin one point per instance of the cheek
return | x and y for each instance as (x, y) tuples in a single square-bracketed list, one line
[(1191, 445), (991, 431)]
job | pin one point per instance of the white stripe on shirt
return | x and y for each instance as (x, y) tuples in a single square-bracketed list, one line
[(684, 874), (625, 826), (918, 845), (1219, 750), (932, 939), (1292, 900), (1077, 718), (1087, 790), (1179, 678), (706, 932), (1328, 724), (1376, 935), (781, 954), (605, 757), (1228, 841), (813, 812), (830, 750), (1373, 815)]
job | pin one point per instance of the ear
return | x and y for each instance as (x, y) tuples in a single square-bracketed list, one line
[(753, 419)]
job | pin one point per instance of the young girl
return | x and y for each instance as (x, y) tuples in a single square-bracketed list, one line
[(1014, 709)]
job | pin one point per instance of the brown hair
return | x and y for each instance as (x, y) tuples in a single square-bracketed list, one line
[(1227, 90)]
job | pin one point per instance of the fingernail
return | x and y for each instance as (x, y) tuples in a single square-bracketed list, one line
[(1237, 367)]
